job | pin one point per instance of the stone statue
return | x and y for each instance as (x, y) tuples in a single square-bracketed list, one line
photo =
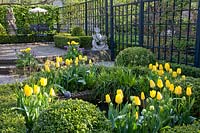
[(99, 41), (10, 18)]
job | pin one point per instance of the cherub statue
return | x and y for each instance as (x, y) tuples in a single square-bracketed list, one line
[(10, 18), (99, 41)]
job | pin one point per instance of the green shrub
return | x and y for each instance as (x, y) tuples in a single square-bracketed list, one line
[(61, 41), (85, 42), (78, 31), (10, 121), (134, 56), (72, 116), (2, 30), (193, 128)]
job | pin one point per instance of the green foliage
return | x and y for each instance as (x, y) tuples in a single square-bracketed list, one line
[(192, 128), (85, 42), (2, 30), (134, 56), (78, 31), (10, 120), (72, 116)]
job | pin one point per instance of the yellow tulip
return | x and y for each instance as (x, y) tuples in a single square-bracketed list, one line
[(76, 61), (80, 57), (170, 70), (85, 58), (73, 42), (68, 43), (28, 90), (142, 96), (108, 100), (160, 72), (136, 115), (178, 71), (174, 74), (157, 65), (160, 67), (57, 64), (167, 66), (119, 91), (46, 68), (43, 81), (160, 83), (183, 77), (27, 50), (136, 100), (150, 66), (52, 92), (189, 91), (90, 62), (154, 68), (171, 87), (167, 83), (67, 62), (165, 77), (152, 93), (178, 90), (118, 99), (71, 61), (159, 96), (152, 84), (36, 89), (60, 59), (57, 59)]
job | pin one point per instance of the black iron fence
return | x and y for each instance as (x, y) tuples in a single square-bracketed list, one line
[(171, 29)]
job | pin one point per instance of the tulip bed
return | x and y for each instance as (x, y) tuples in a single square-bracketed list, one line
[(138, 99)]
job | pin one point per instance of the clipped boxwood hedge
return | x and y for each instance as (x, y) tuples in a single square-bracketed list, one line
[(72, 116), (22, 38), (61, 40)]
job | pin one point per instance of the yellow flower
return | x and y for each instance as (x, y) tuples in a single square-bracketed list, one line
[(165, 77), (167, 83), (52, 92), (174, 74), (28, 90), (85, 58), (167, 66), (67, 62), (27, 50), (160, 67), (160, 72), (152, 93), (178, 90), (57, 64), (36, 89), (183, 77), (76, 61), (60, 59), (68, 43), (43, 81), (74, 43), (49, 100), (118, 99), (108, 100), (71, 61), (80, 57), (170, 70), (152, 84), (57, 59), (47, 62), (159, 96), (136, 115), (160, 83), (46, 68), (90, 62), (151, 107), (189, 91), (171, 87), (119, 91), (178, 71), (142, 96), (154, 68), (136, 100), (150, 66), (156, 64)]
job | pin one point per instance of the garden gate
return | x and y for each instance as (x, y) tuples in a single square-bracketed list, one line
[(168, 28)]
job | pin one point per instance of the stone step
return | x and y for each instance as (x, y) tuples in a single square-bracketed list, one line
[(7, 69)]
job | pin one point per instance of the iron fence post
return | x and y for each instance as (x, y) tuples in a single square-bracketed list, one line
[(197, 48), (112, 44), (106, 25), (141, 23), (86, 17)]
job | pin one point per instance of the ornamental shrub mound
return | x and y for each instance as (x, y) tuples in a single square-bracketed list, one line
[(72, 116), (77, 31), (134, 56)]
